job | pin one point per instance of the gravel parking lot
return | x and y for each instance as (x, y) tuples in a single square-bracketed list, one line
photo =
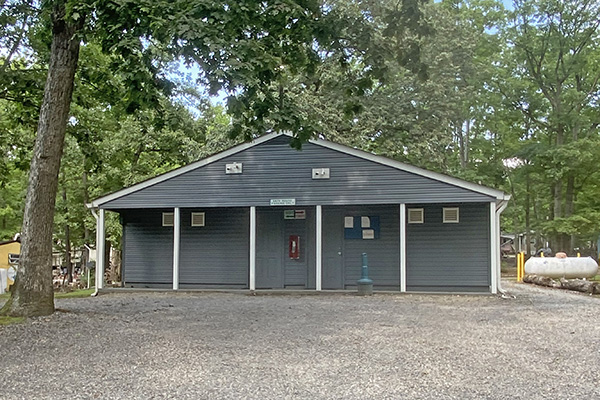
[(545, 344)]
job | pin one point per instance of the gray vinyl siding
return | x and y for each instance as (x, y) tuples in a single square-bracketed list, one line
[(216, 255), (273, 170), (147, 248), (383, 253), (449, 257)]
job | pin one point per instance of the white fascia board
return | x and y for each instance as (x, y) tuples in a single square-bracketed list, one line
[(497, 194), (181, 170)]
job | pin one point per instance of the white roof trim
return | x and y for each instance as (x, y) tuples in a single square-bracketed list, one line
[(497, 194), (182, 170)]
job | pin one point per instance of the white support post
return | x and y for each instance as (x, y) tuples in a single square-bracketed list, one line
[(403, 247), (100, 244), (494, 249), (176, 237), (319, 248), (498, 254), (252, 248)]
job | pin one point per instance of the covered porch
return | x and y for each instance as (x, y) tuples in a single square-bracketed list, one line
[(297, 248)]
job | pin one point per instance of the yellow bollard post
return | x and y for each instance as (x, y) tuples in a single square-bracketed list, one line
[(522, 265), (519, 267), (578, 254)]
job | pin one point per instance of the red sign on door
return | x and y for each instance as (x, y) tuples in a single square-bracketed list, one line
[(294, 247)]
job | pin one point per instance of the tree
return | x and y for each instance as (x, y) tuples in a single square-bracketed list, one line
[(241, 46), (554, 62), (32, 293)]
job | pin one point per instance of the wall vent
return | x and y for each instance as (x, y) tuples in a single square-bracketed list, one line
[(233, 168), (415, 216), (198, 219), (168, 219), (451, 215), (320, 173)]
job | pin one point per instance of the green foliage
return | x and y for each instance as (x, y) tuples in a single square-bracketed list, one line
[(6, 320), (506, 98), (552, 70)]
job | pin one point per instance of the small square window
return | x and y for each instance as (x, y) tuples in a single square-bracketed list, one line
[(415, 216), (198, 219), (168, 219), (451, 215)]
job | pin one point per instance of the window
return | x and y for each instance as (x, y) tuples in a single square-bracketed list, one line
[(168, 219), (451, 215), (415, 216), (197, 219)]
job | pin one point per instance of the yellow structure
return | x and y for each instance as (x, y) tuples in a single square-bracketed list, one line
[(521, 266), (9, 258)]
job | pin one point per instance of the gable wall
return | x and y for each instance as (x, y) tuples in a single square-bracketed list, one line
[(273, 170)]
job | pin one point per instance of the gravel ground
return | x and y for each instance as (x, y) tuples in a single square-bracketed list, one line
[(545, 344)]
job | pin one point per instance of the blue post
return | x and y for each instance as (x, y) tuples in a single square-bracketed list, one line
[(365, 285)]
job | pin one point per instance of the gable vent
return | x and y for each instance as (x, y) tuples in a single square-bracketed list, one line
[(198, 219), (415, 216), (168, 219), (450, 215)]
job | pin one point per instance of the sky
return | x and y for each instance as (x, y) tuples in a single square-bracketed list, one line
[(192, 72)]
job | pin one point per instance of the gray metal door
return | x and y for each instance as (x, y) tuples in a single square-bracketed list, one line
[(333, 260), (269, 245)]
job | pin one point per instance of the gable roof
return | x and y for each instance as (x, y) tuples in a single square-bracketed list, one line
[(494, 193)]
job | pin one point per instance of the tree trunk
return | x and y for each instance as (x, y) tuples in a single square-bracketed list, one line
[(527, 214), (86, 200), (85, 253), (115, 265), (68, 263), (569, 209), (32, 292), (559, 240), (466, 142), (461, 145)]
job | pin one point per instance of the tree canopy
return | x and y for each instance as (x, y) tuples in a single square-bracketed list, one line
[(506, 97)]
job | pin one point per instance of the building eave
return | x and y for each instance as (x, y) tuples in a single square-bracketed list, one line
[(181, 170), (494, 193), (497, 194)]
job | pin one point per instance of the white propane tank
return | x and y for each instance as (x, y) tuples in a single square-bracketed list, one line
[(570, 267)]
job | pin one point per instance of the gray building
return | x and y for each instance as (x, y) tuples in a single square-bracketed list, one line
[(263, 215)]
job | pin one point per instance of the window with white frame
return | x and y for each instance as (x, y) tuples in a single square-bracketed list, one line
[(415, 216), (168, 219), (450, 215), (198, 219)]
